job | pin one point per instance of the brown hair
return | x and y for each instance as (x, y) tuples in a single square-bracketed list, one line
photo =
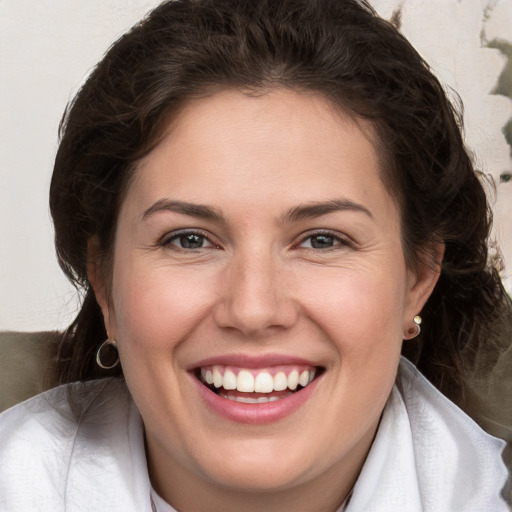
[(339, 48)]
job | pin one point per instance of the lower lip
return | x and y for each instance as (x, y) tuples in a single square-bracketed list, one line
[(255, 414)]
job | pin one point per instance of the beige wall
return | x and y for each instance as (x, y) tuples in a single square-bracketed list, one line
[(48, 47)]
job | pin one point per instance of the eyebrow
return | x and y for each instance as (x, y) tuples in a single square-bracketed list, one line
[(298, 213), (317, 209), (193, 210)]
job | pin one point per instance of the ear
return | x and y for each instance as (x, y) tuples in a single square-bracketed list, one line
[(421, 282), (98, 281)]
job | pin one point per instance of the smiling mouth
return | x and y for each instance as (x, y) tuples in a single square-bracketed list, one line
[(251, 386)]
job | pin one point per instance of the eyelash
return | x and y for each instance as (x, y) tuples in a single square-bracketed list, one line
[(166, 241), (337, 240)]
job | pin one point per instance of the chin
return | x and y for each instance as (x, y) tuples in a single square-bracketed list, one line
[(260, 476)]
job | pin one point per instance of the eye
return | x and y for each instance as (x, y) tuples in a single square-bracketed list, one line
[(322, 241), (189, 240)]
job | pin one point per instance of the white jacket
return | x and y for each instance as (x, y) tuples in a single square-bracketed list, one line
[(80, 448)]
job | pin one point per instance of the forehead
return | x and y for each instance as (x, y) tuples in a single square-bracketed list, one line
[(275, 146)]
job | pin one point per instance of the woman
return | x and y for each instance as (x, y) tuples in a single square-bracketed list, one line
[(262, 202)]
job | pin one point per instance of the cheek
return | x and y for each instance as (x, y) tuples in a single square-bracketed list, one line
[(361, 311), (157, 307), (360, 314)]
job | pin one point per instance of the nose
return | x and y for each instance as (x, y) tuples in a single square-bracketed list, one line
[(255, 295)]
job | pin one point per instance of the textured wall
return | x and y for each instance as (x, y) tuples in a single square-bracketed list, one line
[(469, 45), (48, 47)]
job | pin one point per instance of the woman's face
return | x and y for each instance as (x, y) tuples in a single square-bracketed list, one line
[(257, 245)]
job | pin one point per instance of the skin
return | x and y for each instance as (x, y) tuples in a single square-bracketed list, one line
[(259, 286)]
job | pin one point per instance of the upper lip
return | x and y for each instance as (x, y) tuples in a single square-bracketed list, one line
[(253, 361)]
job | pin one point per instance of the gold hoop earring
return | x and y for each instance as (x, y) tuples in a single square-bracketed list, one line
[(415, 330), (111, 344)]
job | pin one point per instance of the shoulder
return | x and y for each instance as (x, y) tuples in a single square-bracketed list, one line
[(453, 454), (62, 409), (39, 439), (431, 411)]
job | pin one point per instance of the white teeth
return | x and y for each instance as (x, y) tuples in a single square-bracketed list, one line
[(264, 383), (250, 381), (249, 400), (280, 381), (293, 380), (246, 400), (245, 382), (217, 378), (229, 380), (304, 378)]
